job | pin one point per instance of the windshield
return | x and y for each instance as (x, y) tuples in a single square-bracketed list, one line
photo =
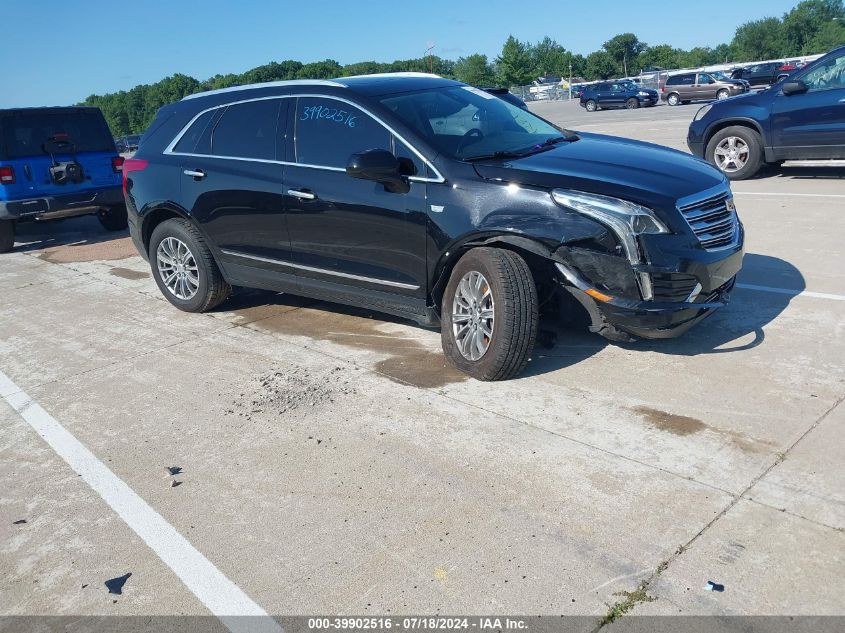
[(464, 123), (720, 76)]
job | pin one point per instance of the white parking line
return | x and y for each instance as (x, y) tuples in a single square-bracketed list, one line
[(219, 594), (794, 293), (775, 194)]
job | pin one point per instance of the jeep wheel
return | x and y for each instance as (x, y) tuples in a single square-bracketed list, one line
[(591, 106), (114, 218), (737, 151), (489, 314), (184, 268), (673, 99), (722, 94), (7, 235), (632, 104)]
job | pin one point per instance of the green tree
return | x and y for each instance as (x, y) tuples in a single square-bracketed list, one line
[(600, 65), (364, 68), (326, 69), (661, 55), (550, 58), (475, 70), (624, 48), (829, 36), (760, 39), (514, 66), (805, 20)]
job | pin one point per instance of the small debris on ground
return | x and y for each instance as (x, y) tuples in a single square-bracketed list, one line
[(115, 585), (173, 470), (280, 390), (713, 586), (175, 483), (19, 522)]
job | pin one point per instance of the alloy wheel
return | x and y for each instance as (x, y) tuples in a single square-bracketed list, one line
[(731, 154), (177, 268), (472, 315)]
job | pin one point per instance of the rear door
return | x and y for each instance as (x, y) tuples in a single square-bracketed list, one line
[(78, 135), (349, 231), (812, 124), (232, 180)]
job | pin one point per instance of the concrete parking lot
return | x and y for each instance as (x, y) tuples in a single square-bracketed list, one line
[(332, 463)]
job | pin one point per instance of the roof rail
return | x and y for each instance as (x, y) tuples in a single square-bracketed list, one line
[(397, 74), (268, 84)]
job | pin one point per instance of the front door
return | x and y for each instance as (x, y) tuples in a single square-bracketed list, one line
[(812, 124), (345, 230)]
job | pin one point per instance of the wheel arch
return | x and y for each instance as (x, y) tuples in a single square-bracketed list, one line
[(740, 122), (536, 253), (157, 214)]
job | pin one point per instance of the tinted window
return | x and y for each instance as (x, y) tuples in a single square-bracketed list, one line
[(328, 132), (410, 162), (24, 133), (602, 87), (187, 144), (681, 80), (247, 130), (704, 78)]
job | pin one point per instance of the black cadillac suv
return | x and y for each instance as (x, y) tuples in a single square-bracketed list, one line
[(426, 198)]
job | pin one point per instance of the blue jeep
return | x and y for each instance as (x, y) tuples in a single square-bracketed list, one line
[(58, 163)]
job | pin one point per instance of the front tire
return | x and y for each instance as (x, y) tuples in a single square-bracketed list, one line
[(489, 314), (184, 269), (722, 94), (591, 106), (632, 104), (736, 151), (7, 235), (673, 99), (114, 218)]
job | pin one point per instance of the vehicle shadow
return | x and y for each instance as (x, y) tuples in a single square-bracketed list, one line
[(87, 230), (738, 326), (790, 172)]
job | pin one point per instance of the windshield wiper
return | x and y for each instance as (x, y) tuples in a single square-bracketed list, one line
[(569, 138), (499, 154)]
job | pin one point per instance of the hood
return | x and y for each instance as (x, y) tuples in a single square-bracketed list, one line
[(611, 166)]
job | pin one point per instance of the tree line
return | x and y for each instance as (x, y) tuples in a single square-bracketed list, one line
[(812, 26)]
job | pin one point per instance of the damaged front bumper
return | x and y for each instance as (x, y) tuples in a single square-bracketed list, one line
[(611, 315)]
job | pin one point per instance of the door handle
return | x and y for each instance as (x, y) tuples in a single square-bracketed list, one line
[(301, 194), (194, 173)]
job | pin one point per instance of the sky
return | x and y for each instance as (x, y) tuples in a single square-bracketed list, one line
[(57, 53)]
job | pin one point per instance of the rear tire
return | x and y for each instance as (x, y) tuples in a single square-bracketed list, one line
[(114, 218), (591, 105), (205, 287), (505, 278), (7, 235), (632, 104), (749, 148), (673, 99)]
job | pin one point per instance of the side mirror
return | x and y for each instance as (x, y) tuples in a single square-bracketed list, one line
[(794, 88), (380, 166)]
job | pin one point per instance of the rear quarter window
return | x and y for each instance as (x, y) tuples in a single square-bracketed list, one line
[(24, 133), (681, 80)]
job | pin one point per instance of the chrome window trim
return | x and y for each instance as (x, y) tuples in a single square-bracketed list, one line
[(169, 149), (313, 269)]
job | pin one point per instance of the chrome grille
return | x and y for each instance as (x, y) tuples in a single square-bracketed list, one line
[(713, 220)]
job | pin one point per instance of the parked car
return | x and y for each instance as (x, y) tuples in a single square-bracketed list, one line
[(687, 87), (507, 95), (759, 74), (617, 94), (426, 198), (740, 135), (57, 163), (128, 143)]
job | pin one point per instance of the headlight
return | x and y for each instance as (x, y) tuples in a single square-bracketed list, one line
[(626, 219), (701, 112)]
